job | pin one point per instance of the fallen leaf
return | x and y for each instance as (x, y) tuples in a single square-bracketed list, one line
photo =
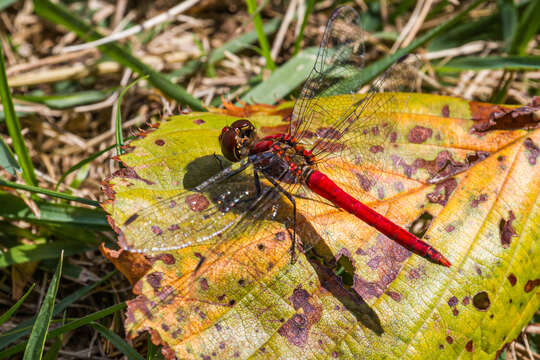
[(475, 192)]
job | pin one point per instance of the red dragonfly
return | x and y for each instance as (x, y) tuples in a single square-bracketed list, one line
[(223, 206)]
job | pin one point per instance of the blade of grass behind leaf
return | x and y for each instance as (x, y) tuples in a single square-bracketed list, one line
[(492, 63), (36, 342), (371, 71), (58, 14), (75, 324), (23, 328), (54, 349), (263, 41), (528, 27), (14, 208), (117, 341), (38, 190), (5, 3), (242, 42), (5, 316), (7, 160), (295, 71), (284, 80), (35, 252), (300, 36), (509, 19), (118, 124), (85, 161), (14, 127), (64, 101)]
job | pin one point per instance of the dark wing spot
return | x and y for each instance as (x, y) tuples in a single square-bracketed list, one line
[(327, 132), (159, 142), (198, 121), (469, 346)]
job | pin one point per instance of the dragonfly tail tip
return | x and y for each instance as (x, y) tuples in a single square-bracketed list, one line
[(444, 261)]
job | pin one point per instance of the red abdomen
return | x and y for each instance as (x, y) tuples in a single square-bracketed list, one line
[(322, 185)]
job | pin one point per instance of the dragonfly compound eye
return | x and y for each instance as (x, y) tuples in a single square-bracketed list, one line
[(235, 140)]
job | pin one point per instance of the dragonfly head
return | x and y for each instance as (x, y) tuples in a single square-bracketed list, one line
[(236, 140)]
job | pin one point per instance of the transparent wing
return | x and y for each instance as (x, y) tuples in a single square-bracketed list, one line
[(340, 57), (216, 210), (355, 131), (359, 148)]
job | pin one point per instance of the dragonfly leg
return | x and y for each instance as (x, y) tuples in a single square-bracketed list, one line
[(219, 162), (293, 202), (257, 182)]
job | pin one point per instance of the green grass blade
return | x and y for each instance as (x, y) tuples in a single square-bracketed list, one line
[(60, 15), (242, 42), (86, 161), (5, 3), (509, 20), (36, 342), (14, 127), (284, 80), (118, 342), (154, 352), (309, 10), (14, 208), (25, 326), (528, 27), (5, 317), (53, 351), (118, 123), (371, 71), (75, 324), (7, 160), (263, 41), (296, 70), (38, 190), (233, 46), (65, 101), (493, 63), (36, 252)]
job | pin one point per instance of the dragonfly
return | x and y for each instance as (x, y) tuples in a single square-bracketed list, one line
[(285, 166)]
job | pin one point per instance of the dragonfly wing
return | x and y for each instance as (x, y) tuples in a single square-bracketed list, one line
[(216, 210), (340, 56)]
